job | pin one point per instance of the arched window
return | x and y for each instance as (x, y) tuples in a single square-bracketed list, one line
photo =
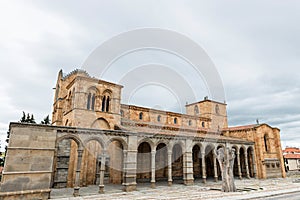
[(196, 110), (122, 113), (266, 142), (106, 100), (103, 104), (175, 120), (190, 122), (158, 118), (88, 105), (203, 124), (93, 102), (107, 104), (141, 116), (217, 109)]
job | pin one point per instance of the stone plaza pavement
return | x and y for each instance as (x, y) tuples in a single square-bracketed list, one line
[(247, 189)]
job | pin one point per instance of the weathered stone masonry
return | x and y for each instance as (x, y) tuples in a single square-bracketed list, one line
[(96, 140)]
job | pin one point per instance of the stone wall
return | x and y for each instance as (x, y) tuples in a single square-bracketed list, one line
[(29, 162)]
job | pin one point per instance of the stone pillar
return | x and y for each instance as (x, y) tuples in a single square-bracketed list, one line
[(188, 164), (77, 178), (124, 166), (246, 164), (153, 152), (98, 170), (239, 164), (130, 165), (203, 167), (102, 171), (54, 176), (215, 168), (254, 165), (169, 168)]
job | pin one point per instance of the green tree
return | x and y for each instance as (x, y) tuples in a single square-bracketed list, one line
[(23, 119), (32, 120), (27, 118), (46, 120)]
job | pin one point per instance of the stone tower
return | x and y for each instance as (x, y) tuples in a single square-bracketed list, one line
[(216, 111), (83, 101)]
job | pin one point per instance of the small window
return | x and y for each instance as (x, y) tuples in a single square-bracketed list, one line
[(88, 105), (273, 165), (217, 109), (141, 116), (196, 110), (158, 118), (203, 124), (266, 142), (122, 113), (190, 122), (175, 120), (93, 102), (107, 104)]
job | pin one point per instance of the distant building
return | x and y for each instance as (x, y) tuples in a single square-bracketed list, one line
[(291, 158)]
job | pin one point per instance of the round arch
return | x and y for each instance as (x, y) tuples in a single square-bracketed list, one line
[(162, 141), (72, 137), (98, 139), (101, 123), (118, 139), (147, 140), (180, 143)]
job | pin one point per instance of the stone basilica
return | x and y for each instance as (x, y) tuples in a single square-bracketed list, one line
[(96, 140)]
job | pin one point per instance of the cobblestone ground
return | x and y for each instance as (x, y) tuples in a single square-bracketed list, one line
[(247, 189)]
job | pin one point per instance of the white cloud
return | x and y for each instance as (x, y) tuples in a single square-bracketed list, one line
[(255, 46)]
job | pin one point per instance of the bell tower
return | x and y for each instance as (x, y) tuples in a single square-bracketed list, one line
[(83, 101), (216, 111)]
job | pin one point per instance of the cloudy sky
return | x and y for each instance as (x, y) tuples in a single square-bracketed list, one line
[(255, 46)]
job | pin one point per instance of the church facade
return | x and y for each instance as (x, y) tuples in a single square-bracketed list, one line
[(96, 140)]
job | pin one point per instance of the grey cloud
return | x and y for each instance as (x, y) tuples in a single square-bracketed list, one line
[(254, 44)]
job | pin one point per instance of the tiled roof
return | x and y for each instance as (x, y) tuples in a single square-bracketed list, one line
[(295, 156), (291, 149), (236, 128)]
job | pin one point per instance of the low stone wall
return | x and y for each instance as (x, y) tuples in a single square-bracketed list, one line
[(293, 173)]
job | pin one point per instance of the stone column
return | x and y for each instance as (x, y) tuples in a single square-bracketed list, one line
[(169, 168), (188, 165), (153, 152), (203, 167), (102, 171), (130, 165), (239, 164), (77, 178), (98, 170), (254, 166), (215, 168), (246, 164), (124, 166)]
